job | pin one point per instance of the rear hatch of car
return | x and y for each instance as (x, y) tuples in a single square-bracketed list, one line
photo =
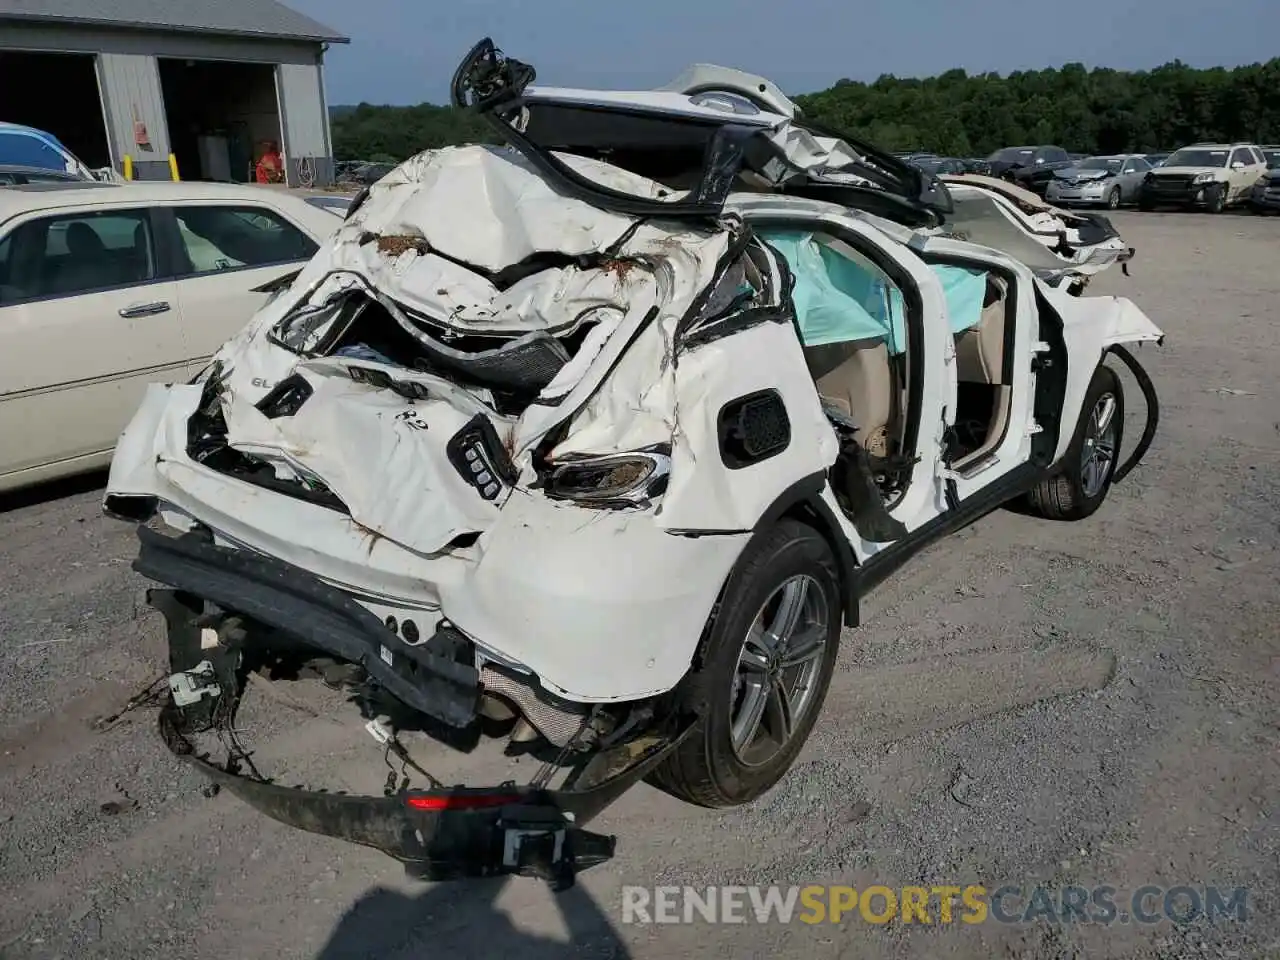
[(718, 131)]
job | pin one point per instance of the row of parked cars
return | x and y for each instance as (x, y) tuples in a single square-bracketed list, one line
[(1210, 176)]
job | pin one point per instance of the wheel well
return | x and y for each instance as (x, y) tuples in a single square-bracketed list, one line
[(802, 502), (815, 514)]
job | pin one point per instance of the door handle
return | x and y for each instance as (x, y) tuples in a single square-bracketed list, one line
[(145, 309)]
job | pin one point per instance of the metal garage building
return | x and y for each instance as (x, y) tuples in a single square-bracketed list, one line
[(208, 81)]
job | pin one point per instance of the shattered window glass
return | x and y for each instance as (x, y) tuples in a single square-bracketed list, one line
[(742, 286), (304, 329)]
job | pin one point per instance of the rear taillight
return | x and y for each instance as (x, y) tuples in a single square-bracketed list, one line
[(464, 801)]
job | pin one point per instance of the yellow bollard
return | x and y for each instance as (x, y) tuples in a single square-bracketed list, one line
[(128, 167), (173, 167)]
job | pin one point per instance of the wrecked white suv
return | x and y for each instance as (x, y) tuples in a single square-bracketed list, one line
[(603, 433)]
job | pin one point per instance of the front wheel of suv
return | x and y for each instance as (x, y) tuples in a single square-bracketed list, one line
[(1215, 199), (1083, 479), (1145, 205), (762, 673)]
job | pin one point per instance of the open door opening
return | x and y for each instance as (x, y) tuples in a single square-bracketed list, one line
[(57, 93), (223, 117), (852, 320), (984, 387)]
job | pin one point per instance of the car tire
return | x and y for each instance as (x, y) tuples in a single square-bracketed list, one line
[(1146, 206), (1082, 480), (1113, 199), (1216, 198), (722, 763)]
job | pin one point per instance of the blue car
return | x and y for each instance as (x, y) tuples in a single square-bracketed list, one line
[(22, 146)]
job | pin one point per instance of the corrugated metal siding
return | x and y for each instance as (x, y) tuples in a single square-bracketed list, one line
[(131, 88), (302, 103)]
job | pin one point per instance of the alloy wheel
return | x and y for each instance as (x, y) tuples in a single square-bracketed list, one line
[(779, 665), (1099, 451)]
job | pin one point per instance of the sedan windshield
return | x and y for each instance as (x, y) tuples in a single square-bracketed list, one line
[(1198, 158), (1100, 163)]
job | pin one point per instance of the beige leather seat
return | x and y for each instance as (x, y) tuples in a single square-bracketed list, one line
[(854, 377), (980, 349)]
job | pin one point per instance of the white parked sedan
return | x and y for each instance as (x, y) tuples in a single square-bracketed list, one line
[(105, 288)]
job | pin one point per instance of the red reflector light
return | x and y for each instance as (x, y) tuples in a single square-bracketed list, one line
[(466, 801)]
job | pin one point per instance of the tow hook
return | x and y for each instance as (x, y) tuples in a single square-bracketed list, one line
[(540, 841)]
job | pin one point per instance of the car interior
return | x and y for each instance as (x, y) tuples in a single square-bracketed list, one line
[(61, 256), (984, 391), (222, 238), (852, 320)]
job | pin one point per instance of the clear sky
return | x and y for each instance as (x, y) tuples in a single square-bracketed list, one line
[(404, 51)]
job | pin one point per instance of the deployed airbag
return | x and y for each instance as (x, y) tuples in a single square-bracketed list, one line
[(838, 299)]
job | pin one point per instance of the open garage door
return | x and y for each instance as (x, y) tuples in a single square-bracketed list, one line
[(56, 92), (222, 116)]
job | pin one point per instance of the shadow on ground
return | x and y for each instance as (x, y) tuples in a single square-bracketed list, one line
[(463, 920), (52, 490)]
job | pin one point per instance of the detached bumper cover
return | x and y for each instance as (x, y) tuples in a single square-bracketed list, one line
[(439, 834), (458, 833)]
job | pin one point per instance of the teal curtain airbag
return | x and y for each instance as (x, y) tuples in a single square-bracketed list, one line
[(838, 299)]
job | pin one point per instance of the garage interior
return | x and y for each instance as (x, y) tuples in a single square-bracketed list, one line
[(56, 92), (221, 116)]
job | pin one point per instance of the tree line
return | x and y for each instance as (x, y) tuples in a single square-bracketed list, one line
[(953, 114)]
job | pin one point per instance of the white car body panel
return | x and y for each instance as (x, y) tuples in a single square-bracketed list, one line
[(63, 401), (987, 216), (1090, 325)]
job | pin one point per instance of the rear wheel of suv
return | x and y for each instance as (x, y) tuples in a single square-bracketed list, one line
[(762, 672), (1083, 479)]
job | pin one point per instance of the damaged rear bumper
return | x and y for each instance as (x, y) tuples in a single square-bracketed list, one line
[(430, 677), (546, 619), (456, 833), (226, 605)]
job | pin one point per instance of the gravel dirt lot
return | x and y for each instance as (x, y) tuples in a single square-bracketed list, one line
[(1028, 702)]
